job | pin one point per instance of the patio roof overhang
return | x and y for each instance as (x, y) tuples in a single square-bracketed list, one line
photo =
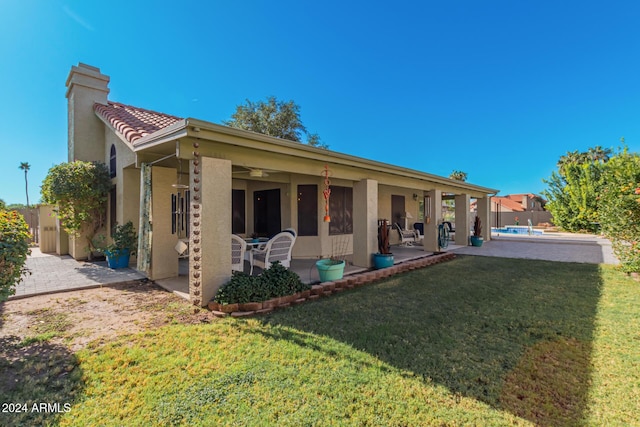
[(240, 146)]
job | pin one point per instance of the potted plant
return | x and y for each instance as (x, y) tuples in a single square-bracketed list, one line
[(125, 243), (384, 257), (476, 239), (332, 268)]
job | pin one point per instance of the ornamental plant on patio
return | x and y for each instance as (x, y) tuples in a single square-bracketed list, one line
[(125, 244), (384, 257), (277, 281)]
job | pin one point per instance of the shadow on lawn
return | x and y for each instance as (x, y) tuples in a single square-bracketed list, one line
[(39, 381), (515, 334)]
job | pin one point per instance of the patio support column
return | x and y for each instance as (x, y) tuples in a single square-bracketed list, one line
[(484, 211), (462, 202), (431, 223), (164, 259), (365, 222), (210, 240)]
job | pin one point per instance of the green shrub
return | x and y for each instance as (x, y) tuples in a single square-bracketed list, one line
[(275, 282), (620, 209), (80, 190), (14, 248)]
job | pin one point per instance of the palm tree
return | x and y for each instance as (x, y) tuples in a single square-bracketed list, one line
[(25, 166)]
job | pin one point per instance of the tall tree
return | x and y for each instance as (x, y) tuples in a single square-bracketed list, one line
[(274, 118), (458, 175), (620, 208), (574, 189), (25, 166)]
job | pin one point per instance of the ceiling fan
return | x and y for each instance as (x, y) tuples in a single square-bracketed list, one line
[(255, 172)]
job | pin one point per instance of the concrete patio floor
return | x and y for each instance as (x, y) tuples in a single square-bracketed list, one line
[(305, 268)]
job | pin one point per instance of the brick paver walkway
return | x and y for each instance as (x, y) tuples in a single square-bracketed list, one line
[(53, 273)]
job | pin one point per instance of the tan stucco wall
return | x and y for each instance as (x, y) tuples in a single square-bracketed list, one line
[(210, 242), (85, 86), (164, 258), (47, 228)]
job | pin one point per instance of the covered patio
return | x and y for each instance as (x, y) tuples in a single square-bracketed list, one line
[(305, 268), (190, 182)]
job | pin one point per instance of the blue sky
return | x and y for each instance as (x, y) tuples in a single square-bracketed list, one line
[(498, 89)]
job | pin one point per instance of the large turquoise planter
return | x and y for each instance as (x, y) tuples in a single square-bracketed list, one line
[(382, 260), (118, 258), (476, 241), (330, 270)]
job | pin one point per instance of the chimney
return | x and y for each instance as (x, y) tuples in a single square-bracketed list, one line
[(85, 87)]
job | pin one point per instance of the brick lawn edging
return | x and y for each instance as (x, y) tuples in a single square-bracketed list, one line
[(325, 289)]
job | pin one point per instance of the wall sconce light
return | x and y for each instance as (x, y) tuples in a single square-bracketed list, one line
[(415, 196)]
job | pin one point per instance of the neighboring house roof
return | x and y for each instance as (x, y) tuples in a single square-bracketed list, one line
[(508, 203), (131, 122)]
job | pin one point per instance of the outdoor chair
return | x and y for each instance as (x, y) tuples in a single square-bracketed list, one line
[(277, 249), (238, 249), (292, 231), (419, 228), (407, 237)]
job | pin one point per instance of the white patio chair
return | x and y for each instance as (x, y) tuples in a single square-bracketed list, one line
[(277, 249), (238, 249), (292, 231), (407, 237)]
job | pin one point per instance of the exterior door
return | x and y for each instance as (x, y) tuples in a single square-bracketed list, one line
[(266, 212)]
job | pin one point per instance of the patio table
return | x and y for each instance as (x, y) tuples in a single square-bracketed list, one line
[(251, 245)]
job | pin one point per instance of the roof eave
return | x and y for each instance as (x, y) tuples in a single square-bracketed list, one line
[(194, 128)]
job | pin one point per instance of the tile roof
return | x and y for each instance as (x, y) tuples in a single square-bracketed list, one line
[(133, 123), (506, 202)]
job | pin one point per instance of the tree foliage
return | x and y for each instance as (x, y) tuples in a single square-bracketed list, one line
[(620, 208), (25, 166), (274, 118), (573, 190), (600, 187), (80, 190), (458, 175), (14, 248)]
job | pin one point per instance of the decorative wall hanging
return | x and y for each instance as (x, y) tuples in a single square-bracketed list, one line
[(326, 173)]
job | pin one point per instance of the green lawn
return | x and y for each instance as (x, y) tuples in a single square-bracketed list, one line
[(475, 341)]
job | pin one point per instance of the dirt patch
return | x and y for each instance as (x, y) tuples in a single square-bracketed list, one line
[(75, 319)]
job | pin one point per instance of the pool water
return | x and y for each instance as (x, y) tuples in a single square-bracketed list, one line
[(515, 229)]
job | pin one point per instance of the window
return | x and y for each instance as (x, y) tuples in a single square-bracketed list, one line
[(307, 210), (180, 213), (112, 161), (341, 210), (238, 212)]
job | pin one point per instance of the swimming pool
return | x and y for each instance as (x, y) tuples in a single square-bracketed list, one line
[(516, 229)]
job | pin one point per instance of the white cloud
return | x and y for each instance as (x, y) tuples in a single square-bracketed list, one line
[(77, 18)]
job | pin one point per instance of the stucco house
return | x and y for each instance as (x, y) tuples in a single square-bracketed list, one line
[(199, 182)]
